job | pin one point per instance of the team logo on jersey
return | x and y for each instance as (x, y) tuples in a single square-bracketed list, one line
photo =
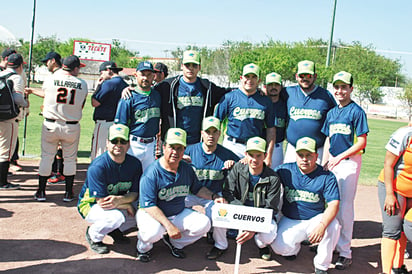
[(280, 122), (168, 194), (144, 115), (189, 101), (295, 195), (119, 188), (304, 113), (248, 113), (209, 174), (339, 129)]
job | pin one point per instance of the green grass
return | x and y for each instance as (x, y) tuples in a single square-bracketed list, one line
[(380, 131)]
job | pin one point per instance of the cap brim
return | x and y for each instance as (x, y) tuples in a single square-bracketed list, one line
[(82, 65), (44, 60)]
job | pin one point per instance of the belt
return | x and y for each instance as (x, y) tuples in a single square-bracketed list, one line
[(230, 138), (67, 122), (98, 120), (143, 140)]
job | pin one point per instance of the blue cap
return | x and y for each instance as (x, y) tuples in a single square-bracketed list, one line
[(145, 65), (52, 55)]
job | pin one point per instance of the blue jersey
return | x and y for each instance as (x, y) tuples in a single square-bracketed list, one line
[(141, 113), (307, 113), (189, 109), (209, 167), (343, 125), (108, 96), (106, 177), (247, 115), (305, 195), (167, 190)]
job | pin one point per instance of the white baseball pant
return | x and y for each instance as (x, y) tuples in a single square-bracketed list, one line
[(105, 221), (290, 154), (145, 152), (277, 156), (100, 134), (8, 138), (347, 174), (292, 232), (192, 225), (237, 148)]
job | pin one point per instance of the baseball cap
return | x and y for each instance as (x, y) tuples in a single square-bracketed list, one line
[(109, 65), (306, 143), (251, 68), (256, 143), (7, 52), (191, 56), (15, 60), (176, 136), (72, 62), (209, 122), (343, 76), (51, 55), (306, 66), (145, 65), (118, 131), (273, 78), (162, 68)]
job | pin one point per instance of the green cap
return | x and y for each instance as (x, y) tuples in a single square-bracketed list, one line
[(306, 143), (251, 68), (118, 131), (256, 143), (273, 78), (209, 122), (343, 76), (176, 136), (306, 66), (191, 56)]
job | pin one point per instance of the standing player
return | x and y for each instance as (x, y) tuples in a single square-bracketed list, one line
[(272, 89), (211, 163), (307, 106), (247, 112), (109, 192), (141, 113), (4, 56), (105, 101), (307, 190), (346, 129), (187, 99), (64, 98), (161, 72)]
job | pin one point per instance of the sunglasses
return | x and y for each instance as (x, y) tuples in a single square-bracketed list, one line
[(305, 75), (188, 65), (116, 141)]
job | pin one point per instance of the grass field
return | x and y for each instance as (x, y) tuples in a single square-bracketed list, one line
[(380, 131)]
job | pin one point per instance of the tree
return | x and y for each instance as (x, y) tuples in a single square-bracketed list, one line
[(407, 98)]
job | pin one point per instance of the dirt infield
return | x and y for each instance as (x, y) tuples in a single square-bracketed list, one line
[(49, 237)]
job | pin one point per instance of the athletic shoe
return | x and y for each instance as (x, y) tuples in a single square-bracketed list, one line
[(9, 186), (56, 179), (209, 238), (118, 237), (401, 270), (215, 253), (68, 197), (318, 271), (40, 195), (176, 252), (15, 167), (265, 253), (98, 247), (343, 263), (143, 257)]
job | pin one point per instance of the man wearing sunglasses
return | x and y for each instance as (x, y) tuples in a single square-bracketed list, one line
[(307, 105), (107, 199), (187, 98)]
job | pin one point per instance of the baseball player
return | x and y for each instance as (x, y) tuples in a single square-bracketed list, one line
[(256, 185), (247, 112), (272, 89), (161, 72), (346, 129), (141, 113), (9, 128), (211, 163), (64, 98), (110, 190), (4, 56), (307, 106), (105, 101), (307, 189), (163, 189), (187, 98)]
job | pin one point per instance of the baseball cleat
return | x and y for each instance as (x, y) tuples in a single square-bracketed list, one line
[(118, 237), (176, 252), (144, 257), (343, 263), (265, 253), (98, 247), (215, 253)]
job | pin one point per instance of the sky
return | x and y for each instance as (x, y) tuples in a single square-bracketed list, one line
[(153, 28)]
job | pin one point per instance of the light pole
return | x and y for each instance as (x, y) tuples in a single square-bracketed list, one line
[(331, 34)]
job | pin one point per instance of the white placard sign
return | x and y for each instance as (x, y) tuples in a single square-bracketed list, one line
[(92, 51), (242, 217)]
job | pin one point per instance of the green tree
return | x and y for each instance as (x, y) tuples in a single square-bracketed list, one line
[(406, 97)]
